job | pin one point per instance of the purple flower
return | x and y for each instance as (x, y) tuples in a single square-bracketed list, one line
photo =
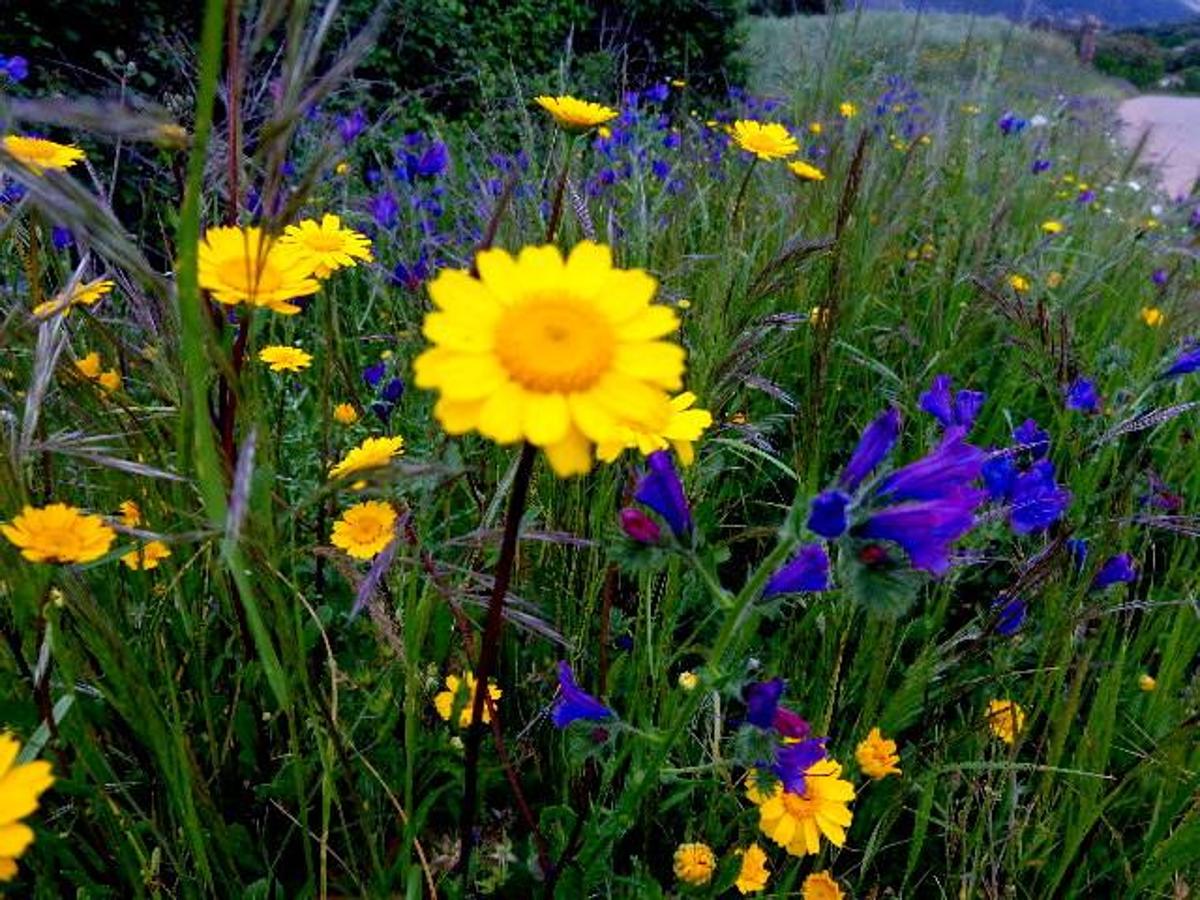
[(430, 164), (661, 169), (1032, 438), (793, 760), (639, 526), (1117, 570), (61, 237), (1011, 124), (948, 468), (388, 398), (926, 529), (1040, 165), (411, 277), (808, 571), (384, 209), (1082, 395), (1186, 362), (1037, 500), (661, 490), (16, 68), (762, 702), (1160, 277), (672, 140), (573, 702), (1077, 548), (790, 724), (951, 408), (351, 126), (657, 94), (876, 442), (999, 475), (373, 373), (1012, 615), (1086, 197), (827, 514)]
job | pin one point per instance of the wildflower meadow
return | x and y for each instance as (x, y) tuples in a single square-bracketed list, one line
[(645, 485)]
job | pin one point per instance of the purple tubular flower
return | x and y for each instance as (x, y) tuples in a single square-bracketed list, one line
[(876, 442), (793, 760), (1160, 277), (661, 490), (790, 724), (926, 529), (762, 702), (808, 571), (384, 209), (999, 475), (1078, 550), (952, 465), (1011, 124), (433, 162), (639, 526), (952, 408), (1082, 395), (1186, 362), (827, 514), (1037, 500), (351, 126), (16, 68), (1040, 165), (573, 702), (1012, 615), (1032, 438), (661, 169), (1086, 197), (61, 237), (1117, 570), (373, 373)]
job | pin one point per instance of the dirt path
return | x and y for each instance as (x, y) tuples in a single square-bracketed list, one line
[(1174, 124)]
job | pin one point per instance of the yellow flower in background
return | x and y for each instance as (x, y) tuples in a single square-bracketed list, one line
[(971, 109), (341, 168), (285, 359), (147, 557), (820, 886), (365, 529), (86, 294), (1018, 283), (1152, 316), (327, 245), (373, 453), (89, 367), (1054, 279), (130, 513), (877, 756), (818, 316), (1147, 682), (753, 875), (695, 864), (678, 83), (245, 265), (766, 140), (604, 131), (21, 787), (683, 428), (110, 380), (39, 155), (1151, 223), (460, 692), (58, 533), (815, 128), (847, 110), (564, 354), (688, 681), (1006, 719), (796, 822), (345, 414), (1053, 226), (575, 115), (805, 172)]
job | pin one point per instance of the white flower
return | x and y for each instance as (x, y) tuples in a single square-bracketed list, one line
[(1156, 209), (1039, 121), (1134, 186)]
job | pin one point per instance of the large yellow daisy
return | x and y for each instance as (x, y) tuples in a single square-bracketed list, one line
[(766, 140), (244, 265), (21, 786), (683, 428), (365, 529), (39, 155), (86, 294), (797, 821), (327, 245), (58, 533), (563, 354), (576, 115)]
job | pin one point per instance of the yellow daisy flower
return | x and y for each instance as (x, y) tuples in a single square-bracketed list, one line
[(130, 513), (89, 367), (86, 294), (373, 453), (21, 786), (282, 358), (753, 875), (821, 886), (766, 140), (682, 430), (695, 864), (58, 533), (244, 265), (1018, 283), (110, 380), (563, 354), (688, 681), (345, 414), (39, 155), (365, 529), (815, 128), (1152, 316), (327, 245), (796, 822), (805, 172), (877, 756), (1006, 719), (147, 557), (847, 109), (1147, 682), (1053, 226), (460, 693), (575, 115)]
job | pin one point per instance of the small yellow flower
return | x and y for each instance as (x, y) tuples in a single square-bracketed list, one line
[(1053, 226), (753, 875), (1151, 223), (110, 380), (1006, 719), (86, 294), (877, 756), (131, 514), (815, 128), (1147, 682), (818, 316), (820, 886), (604, 131), (1018, 283), (89, 367), (39, 155), (695, 864), (1054, 279), (575, 115), (285, 359), (341, 168), (1152, 316), (21, 787), (460, 693), (147, 557), (971, 109), (766, 140), (688, 680), (345, 414), (682, 430), (365, 529), (327, 245), (58, 533), (847, 110), (684, 303), (170, 136), (373, 453), (678, 83), (245, 265), (805, 172)]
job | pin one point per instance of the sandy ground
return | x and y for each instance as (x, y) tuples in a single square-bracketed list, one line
[(1174, 124)]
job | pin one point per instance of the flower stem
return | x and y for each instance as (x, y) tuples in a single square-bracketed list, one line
[(489, 653), (741, 194)]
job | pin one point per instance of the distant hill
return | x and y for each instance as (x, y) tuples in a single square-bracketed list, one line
[(1114, 13)]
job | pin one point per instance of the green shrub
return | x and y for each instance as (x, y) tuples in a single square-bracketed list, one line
[(1132, 57)]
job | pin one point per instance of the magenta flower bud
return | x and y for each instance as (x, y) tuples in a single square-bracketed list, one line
[(640, 526)]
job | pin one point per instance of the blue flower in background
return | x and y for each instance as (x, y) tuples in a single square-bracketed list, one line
[(384, 209), (1077, 549), (657, 94), (808, 571), (351, 126), (1186, 362), (661, 169), (1038, 501), (661, 490), (1011, 124), (827, 514), (1082, 395), (1012, 615), (762, 701), (999, 475), (876, 442), (1117, 570), (672, 140), (951, 466), (574, 703), (374, 373), (61, 237), (14, 68), (1040, 165), (952, 408), (793, 760), (1086, 197), (1160, 277), (1032, 438)]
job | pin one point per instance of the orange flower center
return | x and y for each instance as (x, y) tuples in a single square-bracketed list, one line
[(553, 344)]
